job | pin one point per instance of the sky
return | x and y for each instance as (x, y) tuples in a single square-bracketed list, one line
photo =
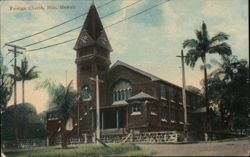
[(150, 41)]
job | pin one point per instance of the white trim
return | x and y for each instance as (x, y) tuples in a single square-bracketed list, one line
[(135, 113), (153, 113), (164, 120), (172, 101), (163, 98)]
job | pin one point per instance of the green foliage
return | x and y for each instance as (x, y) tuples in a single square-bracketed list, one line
[(228, 89), (198, 48), (81, 150), (60, 97), (24, 74), (27, 122), (63, 99), (6, 85)]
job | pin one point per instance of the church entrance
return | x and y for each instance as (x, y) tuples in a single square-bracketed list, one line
[(113, 118)]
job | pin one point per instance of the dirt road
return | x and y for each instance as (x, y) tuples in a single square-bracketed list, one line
[(231, 148)]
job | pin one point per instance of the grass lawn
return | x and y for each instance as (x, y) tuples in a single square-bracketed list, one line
[(79, 150)]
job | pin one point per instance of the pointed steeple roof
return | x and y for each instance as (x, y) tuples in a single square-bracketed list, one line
[(92, 31), (93, 24)]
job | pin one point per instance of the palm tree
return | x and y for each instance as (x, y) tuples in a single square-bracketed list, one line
[(25, 74), (199, 48), (64, 99)]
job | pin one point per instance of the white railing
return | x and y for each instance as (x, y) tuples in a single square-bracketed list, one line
[(155, 137)]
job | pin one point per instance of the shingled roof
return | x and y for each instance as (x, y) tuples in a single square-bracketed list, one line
[(142, 95), (92, 32), (150, 76)]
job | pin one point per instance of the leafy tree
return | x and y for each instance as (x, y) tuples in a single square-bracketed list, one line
[(27, 120), (62, 98), (24, 74), (6, 84), (228, 89), (200, 47)]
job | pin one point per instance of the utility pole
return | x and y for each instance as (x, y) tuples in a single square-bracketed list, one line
[(15, 51), (184, 95), (98, 132), (66, 73), (78, 115)]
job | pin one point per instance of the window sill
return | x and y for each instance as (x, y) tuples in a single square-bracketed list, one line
[(172, 121), (172, 101), (153, 113), (135, 113), (164, 120), (53, 118), (163, 98), (86, 100)]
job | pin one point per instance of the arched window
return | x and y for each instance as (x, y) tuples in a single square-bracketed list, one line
[(86, 93), (122, 90)]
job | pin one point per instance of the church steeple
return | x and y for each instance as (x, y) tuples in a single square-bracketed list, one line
[(93, 31)]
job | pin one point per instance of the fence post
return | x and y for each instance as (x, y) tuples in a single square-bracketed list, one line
[(93, 138), (47, 141), (85, 139), (132, 136)]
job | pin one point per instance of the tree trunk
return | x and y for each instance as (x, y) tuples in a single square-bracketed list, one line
[(23, 90), (208, 126), (64, 136)]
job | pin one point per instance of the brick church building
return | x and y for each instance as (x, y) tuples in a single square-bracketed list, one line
[(130, 98)]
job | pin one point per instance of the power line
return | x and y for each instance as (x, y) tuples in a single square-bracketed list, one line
[(81, 25), (105, 26), (52, 45), (58, 24)]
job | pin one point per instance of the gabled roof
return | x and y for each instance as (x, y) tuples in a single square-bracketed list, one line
[(119, 103), (152, 77), (142, 95)]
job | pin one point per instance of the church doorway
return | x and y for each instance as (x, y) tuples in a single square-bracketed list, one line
[(115, 118)]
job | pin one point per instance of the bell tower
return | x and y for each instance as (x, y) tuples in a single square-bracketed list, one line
[(93, 50), (92, 59)]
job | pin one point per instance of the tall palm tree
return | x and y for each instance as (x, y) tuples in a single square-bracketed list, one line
[(64, 99), (199, 48), (24, 74)]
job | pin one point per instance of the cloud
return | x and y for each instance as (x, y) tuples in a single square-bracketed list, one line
[(151, 47), (216, 9)]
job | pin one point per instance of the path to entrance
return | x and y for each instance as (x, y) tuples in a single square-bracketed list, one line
[(231, 148)]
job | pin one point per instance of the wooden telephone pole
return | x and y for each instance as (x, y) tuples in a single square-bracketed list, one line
[(184, 95), (15, 51), (98, 132)]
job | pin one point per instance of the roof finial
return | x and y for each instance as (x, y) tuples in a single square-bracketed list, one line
[(93, 2)]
